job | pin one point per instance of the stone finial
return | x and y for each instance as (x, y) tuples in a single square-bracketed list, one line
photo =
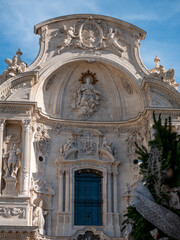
[(15, 67), (157, 60), (19, 53)]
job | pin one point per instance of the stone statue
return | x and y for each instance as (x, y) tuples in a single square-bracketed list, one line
[(12, 161), (15, 66), (106, 145), (87, 98), (113, 38), (128, 231), (67, 146), (38, 217)]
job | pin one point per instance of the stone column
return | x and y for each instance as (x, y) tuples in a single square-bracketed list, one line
[(115, 199), (25, 158), (110, 228), (109, 192), (67, 191), (115, 191), (61, 192), (1, 150)]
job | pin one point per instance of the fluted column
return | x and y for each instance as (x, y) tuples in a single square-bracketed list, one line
[(25, 158), (67, 191), (115, 191), (1, 148), (61, 187), (109, 192)]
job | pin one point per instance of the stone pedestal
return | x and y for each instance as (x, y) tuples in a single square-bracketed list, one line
[(14, 211), (10, 188)]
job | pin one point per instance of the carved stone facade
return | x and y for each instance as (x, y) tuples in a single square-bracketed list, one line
[(76, 111)]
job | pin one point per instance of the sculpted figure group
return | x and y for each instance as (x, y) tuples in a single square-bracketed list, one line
[(15, 67), (87, 99)]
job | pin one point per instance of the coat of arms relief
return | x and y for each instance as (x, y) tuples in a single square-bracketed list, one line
[(90, 35)]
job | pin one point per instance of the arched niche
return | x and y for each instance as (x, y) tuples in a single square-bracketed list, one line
[(119, 95)]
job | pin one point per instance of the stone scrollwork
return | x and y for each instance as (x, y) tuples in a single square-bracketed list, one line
[(127, 86), (41, 146), (15, 67), (91, 35), (87, 98)]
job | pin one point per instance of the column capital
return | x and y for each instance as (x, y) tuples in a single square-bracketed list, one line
[(26, 123), (61, 172), (2, 122)]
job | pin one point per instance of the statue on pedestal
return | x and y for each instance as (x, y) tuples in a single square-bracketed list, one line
[(12, 161), (38, 217)]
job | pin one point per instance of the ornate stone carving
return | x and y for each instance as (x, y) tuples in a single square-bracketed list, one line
[(87, 144), (87, 99), (38, 217), (8, 212), (91, 35), (88, 235), (15, 86), (115, 38), (41, 146), (41, 187), (106, 145), (12, 161), (71, 143), (160, 73), (15, 66), (127, 86)]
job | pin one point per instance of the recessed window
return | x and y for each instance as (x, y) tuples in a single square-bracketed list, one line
[(88, 200)]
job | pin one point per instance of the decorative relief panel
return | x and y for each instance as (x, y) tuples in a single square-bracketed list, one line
[(85, 144), (9, 212), (90, 35)]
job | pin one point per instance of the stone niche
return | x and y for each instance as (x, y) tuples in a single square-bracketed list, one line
[(12, 158), (108, 96)]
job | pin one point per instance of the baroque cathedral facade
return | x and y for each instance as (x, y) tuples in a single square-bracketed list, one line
[(68, 127)]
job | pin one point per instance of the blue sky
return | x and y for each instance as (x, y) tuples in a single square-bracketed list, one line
[(160, 19)]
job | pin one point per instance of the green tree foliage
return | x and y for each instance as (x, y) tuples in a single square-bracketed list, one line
[(159, 174)]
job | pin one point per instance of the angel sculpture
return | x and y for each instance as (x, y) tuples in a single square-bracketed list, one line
[(12, 161), (69, 35), (114, 37)]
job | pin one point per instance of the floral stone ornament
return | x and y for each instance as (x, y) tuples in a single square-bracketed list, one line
[(87, 98)]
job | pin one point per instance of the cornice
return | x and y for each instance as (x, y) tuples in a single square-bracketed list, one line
[(124, 24)]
